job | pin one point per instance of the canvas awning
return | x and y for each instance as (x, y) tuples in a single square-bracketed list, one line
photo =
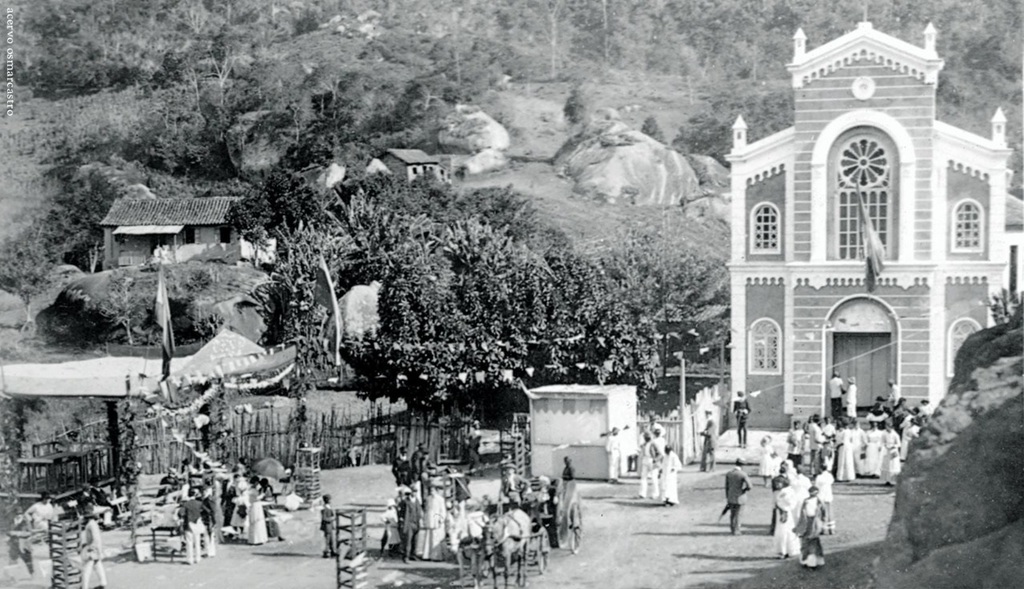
[(111, 378), (148, 229)]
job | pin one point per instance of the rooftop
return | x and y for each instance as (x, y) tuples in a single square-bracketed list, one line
[(414, 156), (169, 211), (582, 390)]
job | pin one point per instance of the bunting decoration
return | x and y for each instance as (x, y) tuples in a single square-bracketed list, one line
[(162, 312), (324, 295), (874, 251)]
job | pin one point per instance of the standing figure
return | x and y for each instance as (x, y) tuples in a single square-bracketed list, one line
[(569, 472), (736, 487), (670, 469), (658, 445), (891, 446), (835, 394), (419, 468), (327, 528), (795, 443), (873, 452), (434, 515), (779, 482), (614, 447), (710, 435), (257, 521), (847, 452), (473, 448), (91, 544), (823, 482), (41, 513), (913, 430), (401, 469), (786, 542), (19, 542), (409, 513), (815, 443), (647, 466), (741, 408), (389, 542), (894, 394), (810, 525), (851, 398)]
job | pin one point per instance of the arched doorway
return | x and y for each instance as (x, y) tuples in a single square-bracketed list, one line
[(864, 344)]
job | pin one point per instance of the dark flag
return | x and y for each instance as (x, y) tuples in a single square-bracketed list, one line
[(162, 310), (874, 250)]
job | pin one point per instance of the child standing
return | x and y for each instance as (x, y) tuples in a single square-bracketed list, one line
[(389, 542), (769, 466), (327, 528), (824, 484)]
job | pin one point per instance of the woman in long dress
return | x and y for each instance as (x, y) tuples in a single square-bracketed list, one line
[(861, 443), (873, 452), (257, 533), (809, 526), (768, 466), (891, 446), (240, 506), (913, 430), (670, 471), (434, 513), (848, 450), (785, 541)]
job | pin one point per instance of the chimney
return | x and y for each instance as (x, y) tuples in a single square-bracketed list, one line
[(739, 133), (929, 38), (998, 128), (799, 45)]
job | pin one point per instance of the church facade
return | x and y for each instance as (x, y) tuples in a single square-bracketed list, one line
[(865, 131)]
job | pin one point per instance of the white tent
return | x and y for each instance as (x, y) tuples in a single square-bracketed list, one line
[(568, 420)]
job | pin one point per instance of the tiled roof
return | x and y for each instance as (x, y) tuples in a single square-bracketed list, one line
[(413, 156), (169, 211)]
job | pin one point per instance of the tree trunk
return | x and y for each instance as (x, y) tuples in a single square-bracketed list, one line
[(128, 332), (554, 45), (28, 313)]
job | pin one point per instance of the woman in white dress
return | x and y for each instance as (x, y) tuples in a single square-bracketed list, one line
[(873, 452), (861, 443), (240, 513), (891, 446), (768, 467), (257, 533), (911, 431), (670, 473), (785, 541), (434, 514), (848, 451)]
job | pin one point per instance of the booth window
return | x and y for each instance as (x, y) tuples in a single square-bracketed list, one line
[(967, 227), (765, 230)]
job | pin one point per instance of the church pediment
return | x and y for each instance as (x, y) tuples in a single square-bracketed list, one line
[(866, 45)]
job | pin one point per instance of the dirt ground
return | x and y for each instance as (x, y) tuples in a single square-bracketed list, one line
[(628, 543)]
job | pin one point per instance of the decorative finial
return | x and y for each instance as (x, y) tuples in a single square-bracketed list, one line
[(799, 44), (999, 128), (739, 133), (929, 37)]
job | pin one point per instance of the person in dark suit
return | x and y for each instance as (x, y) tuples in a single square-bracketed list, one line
[(409, 514), (736, 487), (401, 468), (419, 468)]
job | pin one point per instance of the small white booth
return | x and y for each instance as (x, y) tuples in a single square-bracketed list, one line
[(568, 420)]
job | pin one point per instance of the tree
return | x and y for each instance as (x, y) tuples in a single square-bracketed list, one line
[(577, 105), (26, 266), (282, 202), (122, 304), (652, 130)]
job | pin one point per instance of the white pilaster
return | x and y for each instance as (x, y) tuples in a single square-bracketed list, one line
[(738, 285)]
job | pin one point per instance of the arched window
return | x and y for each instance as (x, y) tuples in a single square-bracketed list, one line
[(765, 347), (863, 170), (764, 230), (958, 334), (967, 227)]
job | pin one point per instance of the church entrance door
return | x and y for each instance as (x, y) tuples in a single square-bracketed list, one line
[(868, 357)]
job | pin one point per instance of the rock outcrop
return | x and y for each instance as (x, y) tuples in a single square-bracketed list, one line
[(610, 162), (470, 130), (254, 144), (959, 514)]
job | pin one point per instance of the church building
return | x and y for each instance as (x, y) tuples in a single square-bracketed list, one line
[(865, 132)]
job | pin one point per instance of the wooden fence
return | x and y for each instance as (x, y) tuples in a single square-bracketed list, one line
[(683, 434), (345, 438)]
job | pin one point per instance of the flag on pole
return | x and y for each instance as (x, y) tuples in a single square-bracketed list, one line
[(874, 251), (162, 311), (324, 295)]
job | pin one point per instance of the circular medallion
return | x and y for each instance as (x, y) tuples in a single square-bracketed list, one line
[(863, 88)]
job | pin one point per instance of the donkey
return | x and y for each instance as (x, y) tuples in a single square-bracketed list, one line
[(506, 537)]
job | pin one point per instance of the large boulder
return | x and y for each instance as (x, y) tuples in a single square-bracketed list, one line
[(487, 160), (610, 162), (711, 175), (255, 142), (959, 506), (471, 130)]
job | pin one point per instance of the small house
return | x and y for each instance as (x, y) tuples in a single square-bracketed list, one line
[(137, 230), (413, 163), (574, 420)]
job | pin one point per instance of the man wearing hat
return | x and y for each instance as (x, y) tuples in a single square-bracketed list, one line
[(851, 398), (710, 435), (409, 515), (736, 486), (513, 486)]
